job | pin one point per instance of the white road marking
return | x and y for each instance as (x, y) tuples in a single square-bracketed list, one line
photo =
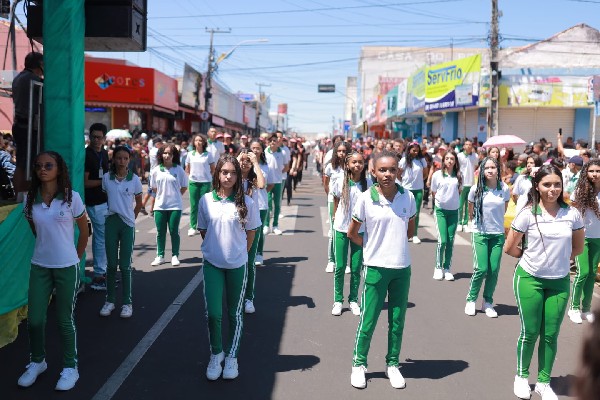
[(325, 220), (287, 224)]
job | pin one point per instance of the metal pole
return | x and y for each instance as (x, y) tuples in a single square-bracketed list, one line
[(495, 72), (464, 123), (594, 118), (209, 72)]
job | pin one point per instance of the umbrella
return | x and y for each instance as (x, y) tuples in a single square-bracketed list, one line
[(118, 134), (504, 141)]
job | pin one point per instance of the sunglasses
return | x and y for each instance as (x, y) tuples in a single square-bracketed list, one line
[(47, 166)]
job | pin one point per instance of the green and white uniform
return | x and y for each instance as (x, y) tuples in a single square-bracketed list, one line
[(200, 180), (521, 188), (334, 175), (541, 283), (386, 268), (447, 200), (225, 254), (412, 179), (487, 240), (276, 163), (468, 165)]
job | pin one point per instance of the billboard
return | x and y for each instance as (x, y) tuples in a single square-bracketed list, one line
[(443, 79), (544, 91), (190, 86), (416, 91)]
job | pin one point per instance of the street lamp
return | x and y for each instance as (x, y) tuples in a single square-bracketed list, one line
[(224, 56)]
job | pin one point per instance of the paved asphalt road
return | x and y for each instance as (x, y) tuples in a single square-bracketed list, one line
[(292, 348)]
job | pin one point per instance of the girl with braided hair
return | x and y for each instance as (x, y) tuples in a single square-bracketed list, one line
[(52, 208), (227, 220), (585, 198), (488, 201)]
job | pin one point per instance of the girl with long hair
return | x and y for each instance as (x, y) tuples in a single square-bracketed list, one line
[(169, 182), (258, 149), (445, 187), (123, 188), (488, 201), (412, 169), (227, 220), (52, 209), (585, 198), (200, 166), (555, 234), (345, 193), (522, 185), (276, 160)]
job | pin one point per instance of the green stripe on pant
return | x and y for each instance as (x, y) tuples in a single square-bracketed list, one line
[(330, 241), (120, 238), (379, 282), (264, 214), (274, 200), (487, 253), (197, 190), (164, 218), (341, 260), (419, 201), (251, 258), (463, 206), (446, 221), (583, 284)]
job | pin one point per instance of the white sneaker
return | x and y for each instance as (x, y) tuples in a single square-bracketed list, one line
[(355, 308), (521, 388), (68, 379), (249, 307), (126, 311), (266, 230), (438, 274), (258, 260), (330, 267), (107, 308), (488, 309), (32, 371), (357, 378), (277, 231), (337, 308), (214, 369), (347, 271), (192, 232), (467, 229), (231, 368), (470, 308), (448, 275), (175, 261), (459, 228), (575, 316), (544, 390), (588, 316), (416, 240), (396, 379), (157, 261)]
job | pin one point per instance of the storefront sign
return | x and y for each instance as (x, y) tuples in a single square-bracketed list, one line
[(118, 83), (387, 83), (416, 91), (596, 88), (190, 87), (443, 79), (165, 91), (544, 91)]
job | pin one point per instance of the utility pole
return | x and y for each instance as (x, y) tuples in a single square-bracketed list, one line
[(258, 105), (494, 40), (208, 80)]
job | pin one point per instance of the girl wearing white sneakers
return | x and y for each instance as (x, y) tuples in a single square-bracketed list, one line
[(445, 188), (169, 182), (200, 166), (488, 201), (345, 193), (387, 211), (258, 149), (227, 220), (412, 168), (585, 198), (52, 208), (123, 188), (541, 280)]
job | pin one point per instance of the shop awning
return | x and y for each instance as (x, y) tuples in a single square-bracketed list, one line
[(134, 106)]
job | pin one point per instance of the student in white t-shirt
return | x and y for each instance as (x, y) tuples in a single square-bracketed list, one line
[(258, 149), (200, 166), (227, 220), (169, 182), (215, 147), (152, 153), (123, 188), (467, 161), (345, 194), (488, 201), (523, 183), (387, 211), (276, 161), (555, 234), (413, 168), (53, 209)]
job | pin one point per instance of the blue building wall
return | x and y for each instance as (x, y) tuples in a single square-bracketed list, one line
[(582, 128), (449, 125)]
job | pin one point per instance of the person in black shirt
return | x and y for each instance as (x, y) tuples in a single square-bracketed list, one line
[(96, 202)]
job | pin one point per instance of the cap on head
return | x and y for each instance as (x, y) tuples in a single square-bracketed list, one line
[(577, 161), (227, 135)]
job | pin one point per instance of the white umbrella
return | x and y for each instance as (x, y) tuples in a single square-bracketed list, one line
[(504, 141), (118, 134)]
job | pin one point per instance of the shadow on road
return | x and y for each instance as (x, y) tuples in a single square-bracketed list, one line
[(462, 275), (432, 369), (505, 309), (563, 385)]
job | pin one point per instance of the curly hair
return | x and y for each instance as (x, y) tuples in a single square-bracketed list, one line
[(63, 182), (480, 189), (337, 162), (585, 193), (345, 199), (174, 154), (238, 187)]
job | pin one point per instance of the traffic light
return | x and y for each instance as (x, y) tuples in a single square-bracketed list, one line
[(4, 8)]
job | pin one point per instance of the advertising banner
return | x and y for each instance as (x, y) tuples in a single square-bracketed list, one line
[(596, 88), (392, 102), (544, 91), (165, 91), (402, 91), (387, 83), (443, 79), (118, 83), (416, 91), (190, 86)]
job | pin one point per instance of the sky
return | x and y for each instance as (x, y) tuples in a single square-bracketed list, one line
[(318, 42)]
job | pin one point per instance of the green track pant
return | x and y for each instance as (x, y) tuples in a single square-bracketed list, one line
[(251, 258), (419, 201), (41, 282), (120, 238), (463, 206), (163, 219), (380, 282), (341, 260), (264, 214), (197, 190), (487, 253), (583, 284), (233, 282), (274, 199), (542, 304), (446, 224), (331, 240)]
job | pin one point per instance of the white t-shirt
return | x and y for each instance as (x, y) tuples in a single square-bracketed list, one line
[(200, 166), (263, 202), (467, 164), (287, 157), (385, 243), (445, 187), (276, 163), (55, 231), (547, 258), (168, 184), (493, 208), (121, 195), (334, 175), (215, 149), (521, 188), (328, 156), (591, 222), (152, 154), (343, 215), (412, 178), (224, 244)]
